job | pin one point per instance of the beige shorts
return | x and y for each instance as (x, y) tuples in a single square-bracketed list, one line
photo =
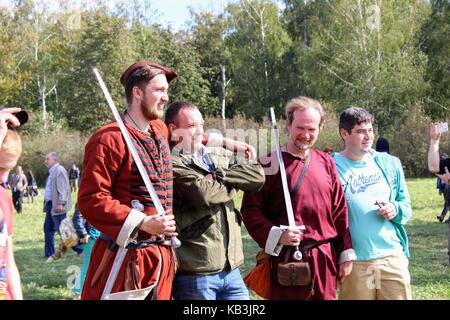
[(380, 279)]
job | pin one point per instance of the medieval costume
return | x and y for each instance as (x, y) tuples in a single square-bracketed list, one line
[(110, 181), (319, 204)]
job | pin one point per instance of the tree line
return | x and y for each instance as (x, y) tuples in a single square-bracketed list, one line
[(391, 57)]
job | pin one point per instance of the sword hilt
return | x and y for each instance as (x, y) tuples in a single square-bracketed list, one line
[(136, 204)]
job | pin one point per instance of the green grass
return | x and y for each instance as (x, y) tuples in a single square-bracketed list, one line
[(40, 280), (429, 263)]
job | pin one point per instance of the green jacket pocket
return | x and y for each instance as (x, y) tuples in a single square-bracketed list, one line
[(196, 229)]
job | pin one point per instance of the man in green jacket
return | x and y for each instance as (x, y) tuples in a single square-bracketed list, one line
[(379, 206), (209, 225)]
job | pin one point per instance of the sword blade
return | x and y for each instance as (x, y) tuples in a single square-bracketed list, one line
[(287, 195), (120, 256)]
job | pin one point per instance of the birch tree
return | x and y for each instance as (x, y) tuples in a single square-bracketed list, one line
[(436, 44), (257, 44), (365, 53), (208, 39), (34, 59)]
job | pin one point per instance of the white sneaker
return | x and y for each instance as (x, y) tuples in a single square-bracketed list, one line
[(56, 256)]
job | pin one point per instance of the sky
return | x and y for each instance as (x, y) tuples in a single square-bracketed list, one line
[(173, 12), (169, 12), (176, 12)]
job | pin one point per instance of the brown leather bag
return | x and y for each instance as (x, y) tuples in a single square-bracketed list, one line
[(293, 273)]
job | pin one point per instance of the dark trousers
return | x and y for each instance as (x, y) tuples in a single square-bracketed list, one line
[(448, 243), (17, 200), (51, 225), (446, 194)]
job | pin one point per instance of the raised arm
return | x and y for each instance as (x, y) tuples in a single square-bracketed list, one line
[(433, 151)]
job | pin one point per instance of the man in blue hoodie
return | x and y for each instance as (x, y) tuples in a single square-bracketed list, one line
[(379, 206)]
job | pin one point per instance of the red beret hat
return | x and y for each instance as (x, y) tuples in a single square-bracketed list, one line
[(170, 74)]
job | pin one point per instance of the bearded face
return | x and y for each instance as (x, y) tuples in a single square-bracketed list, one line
[(155, 98)]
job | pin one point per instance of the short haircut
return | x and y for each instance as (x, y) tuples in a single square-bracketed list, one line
[(174, 109), (140, 78), (353, 116), (54, 155), (10, 149), (302, 103)]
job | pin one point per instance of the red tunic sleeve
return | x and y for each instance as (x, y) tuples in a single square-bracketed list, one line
[(257, 213), (103, 158)]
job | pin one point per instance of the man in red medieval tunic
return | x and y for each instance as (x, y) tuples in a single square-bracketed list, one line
[(318, 204), (111, 180)]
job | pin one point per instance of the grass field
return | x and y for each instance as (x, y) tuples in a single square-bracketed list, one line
[(429, 264)]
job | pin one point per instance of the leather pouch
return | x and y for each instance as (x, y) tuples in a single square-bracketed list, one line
[(293, 273)]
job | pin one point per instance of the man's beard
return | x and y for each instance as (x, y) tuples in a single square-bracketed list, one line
[(302, 146), (149, 113)]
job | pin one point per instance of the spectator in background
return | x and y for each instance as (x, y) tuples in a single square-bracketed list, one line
[(57, 202), (444, 189), (10, 150), (18, 184), (438, 164), (382, 145), (74, 176), (32, 189)]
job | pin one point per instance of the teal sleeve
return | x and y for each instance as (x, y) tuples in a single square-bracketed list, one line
[(402, 200)]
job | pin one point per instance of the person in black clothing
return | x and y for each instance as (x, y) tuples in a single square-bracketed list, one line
[(74, 175), (437, 165), (382, 145), (444, 189), (32, 189)]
